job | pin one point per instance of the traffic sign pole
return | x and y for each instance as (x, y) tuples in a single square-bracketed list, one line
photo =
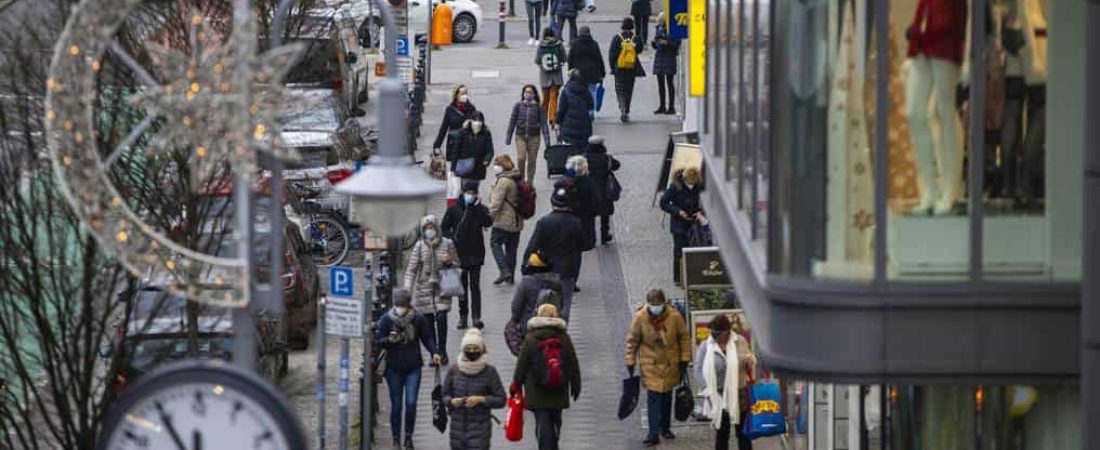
[(342, 396), (365, 400), (321, 338)]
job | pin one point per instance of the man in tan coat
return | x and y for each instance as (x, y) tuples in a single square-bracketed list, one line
[(658, 340)]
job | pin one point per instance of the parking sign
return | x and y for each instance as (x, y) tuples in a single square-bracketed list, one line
[(341, 282), (345, 305), (402, 45)]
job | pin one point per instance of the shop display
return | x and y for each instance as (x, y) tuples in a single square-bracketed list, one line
[(902, 188)]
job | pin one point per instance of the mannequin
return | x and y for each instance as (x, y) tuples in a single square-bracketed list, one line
[(936, 40)]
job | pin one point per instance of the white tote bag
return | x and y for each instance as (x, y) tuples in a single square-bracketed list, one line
[(454, 185), (450, 282)]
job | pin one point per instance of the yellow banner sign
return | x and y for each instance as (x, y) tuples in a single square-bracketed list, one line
[(697, 48)]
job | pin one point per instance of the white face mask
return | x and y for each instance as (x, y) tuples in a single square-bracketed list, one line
[(689, 185), (497, 169), (429, 233), (529, 96), (476, 126), (401, 311), (464, 98)]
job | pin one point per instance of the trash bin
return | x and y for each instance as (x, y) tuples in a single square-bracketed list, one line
[(442, 18)]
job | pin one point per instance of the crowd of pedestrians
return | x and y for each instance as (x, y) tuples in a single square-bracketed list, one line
[(561, 108)]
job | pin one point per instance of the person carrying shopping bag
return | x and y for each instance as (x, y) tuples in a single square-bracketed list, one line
[(548, 373), (431, 254), (685, 209), (471, 157), (464, 223), (400, 332), (724, 362), (658, 341), (601, 169), (471, 390), (527, 125)]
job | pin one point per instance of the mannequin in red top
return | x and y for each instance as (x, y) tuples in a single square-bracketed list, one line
[(936, 40)]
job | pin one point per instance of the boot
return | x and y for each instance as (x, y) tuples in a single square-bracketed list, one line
[(397, 443), (671, 111), (500, 280), (479, 324), (661, 110), (624, 118), (462, 323), (511, 280), (409, 443)]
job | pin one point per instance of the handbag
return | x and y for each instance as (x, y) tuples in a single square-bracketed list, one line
[(465, 167), (614, 188), (437, 166), (513, 336), (764, 417), (450, 282), (699, 236), (684, 401), (632, 386), (439, 408), (513, 421), (600, 91)]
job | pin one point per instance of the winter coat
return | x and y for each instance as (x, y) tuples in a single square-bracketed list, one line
[(617, 47), (573, 106), (658, 353), (465, 224), (743, 352), (526, 295), (559, 237), (585, 56), (585, 204), (600, 166), (453, 119), (474, 145), (472, 428), (404, 357), (539, 396), (641, 8), (422, 273), (550, 46), (667, 53), (528, 119), (568, 8), (503, 202), (679, 198)]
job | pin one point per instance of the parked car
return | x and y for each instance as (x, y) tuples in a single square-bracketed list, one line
[(333, 58), (466, 18), (157, 333), (329, 141)]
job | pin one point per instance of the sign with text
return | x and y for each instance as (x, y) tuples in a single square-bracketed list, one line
[(697, 47), (345, 302), (677, 19), (703, 268)]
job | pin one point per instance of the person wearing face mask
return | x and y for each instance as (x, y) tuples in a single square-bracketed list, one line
[(527, 124), (681, 202), (454, 117), (507, 222), (547, 390), (400, 332), (723, 362), (559, 237), (471, 389), (659, 342), (431, 253), (464, 223), (476, 146)]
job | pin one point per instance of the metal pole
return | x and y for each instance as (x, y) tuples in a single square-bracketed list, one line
[(244, 351), (1090, 302), (368, 356), (321, 338), (342, 393), (977, 137), (502, 17)]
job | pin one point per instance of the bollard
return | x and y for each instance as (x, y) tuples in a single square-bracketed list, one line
[(511, 8), (502, 15)]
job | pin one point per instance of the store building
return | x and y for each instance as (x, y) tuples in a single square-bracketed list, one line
[(898, 191)]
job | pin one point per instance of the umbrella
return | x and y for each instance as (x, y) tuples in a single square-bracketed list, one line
[(439, 409), (631, 388)]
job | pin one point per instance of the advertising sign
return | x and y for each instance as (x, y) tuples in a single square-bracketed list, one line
[(703, 268), (697, 47), (677, 19)]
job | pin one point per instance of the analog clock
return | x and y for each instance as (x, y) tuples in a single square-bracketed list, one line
[(201, 405)]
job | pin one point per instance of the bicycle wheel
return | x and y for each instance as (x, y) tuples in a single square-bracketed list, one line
[(331, 241)]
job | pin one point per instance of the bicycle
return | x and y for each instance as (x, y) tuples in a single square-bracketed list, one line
[(328, 237)]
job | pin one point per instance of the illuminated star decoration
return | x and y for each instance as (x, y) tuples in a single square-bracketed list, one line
[(199, 106)]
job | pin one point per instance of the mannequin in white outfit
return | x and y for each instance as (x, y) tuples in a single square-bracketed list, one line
[(930, 96)]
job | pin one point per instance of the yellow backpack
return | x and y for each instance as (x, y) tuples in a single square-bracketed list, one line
[(628, 56)]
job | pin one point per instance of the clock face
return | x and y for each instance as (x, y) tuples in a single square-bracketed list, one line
[(201, 406)]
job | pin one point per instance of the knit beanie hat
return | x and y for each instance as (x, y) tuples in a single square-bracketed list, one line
[(560, 198), (401, 297), (474, 336)]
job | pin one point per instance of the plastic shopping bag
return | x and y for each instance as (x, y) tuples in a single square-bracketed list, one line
[(764, 417), (513, 422), (450, 282), (600, 91), (454, 188)]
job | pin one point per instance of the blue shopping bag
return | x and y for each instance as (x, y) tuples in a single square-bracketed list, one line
[(599, 96), (765, 417)]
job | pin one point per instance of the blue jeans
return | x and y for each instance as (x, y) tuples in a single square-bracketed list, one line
[(592, 91), (659, 408), (440, 321), (407, 384), (504, 245)]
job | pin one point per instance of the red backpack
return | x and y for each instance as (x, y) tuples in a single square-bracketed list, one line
[(525, 201), (550, 373)]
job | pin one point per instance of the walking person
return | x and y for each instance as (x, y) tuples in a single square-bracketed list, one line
[(475, 150), (585, 201), (640, 10), (574, 122), (658, 341), (455, 116), (534, 20), (681, 202), (723, 362), (625, 67), (600, 168), (550, 58), (667, 53), (548, 372), (507, 223), (464, 223), (471, 390), (539, 285), (558, 237), (585, 56), (431, 253), (566, 12), (401, 331), (528, 125)]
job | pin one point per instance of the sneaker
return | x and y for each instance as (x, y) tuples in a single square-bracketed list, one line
[(607, 239), (591, 8), (576, 288), (532, 42)]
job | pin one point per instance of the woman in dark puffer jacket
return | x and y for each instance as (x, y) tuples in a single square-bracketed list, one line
[(454, 117), (471, 390), (574, 121)]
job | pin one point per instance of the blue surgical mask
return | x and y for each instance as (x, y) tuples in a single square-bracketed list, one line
[(656, 310), (469, 198)]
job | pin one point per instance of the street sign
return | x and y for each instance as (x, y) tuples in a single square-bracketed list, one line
[(345, 303), (402, 45), (340, 282)]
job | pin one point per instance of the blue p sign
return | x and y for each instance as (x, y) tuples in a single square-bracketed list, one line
[(340, 282), (402, 45)]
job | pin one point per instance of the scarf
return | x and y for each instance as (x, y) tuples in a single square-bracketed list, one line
[(728, 400), (658, 322), (404, 325), (472, 367), (461, 107)]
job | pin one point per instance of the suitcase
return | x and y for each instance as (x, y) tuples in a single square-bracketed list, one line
[(556, 155)]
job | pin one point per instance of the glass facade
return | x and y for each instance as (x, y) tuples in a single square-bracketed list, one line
[(950, 167)]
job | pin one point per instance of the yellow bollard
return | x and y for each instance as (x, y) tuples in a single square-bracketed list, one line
[(442, 19)]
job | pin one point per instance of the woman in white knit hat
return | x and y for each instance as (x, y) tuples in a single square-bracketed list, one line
[(472, 388)]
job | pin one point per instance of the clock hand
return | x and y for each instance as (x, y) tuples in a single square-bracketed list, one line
[(167, 420)]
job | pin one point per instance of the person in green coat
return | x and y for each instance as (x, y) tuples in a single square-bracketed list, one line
[(547, 390)]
